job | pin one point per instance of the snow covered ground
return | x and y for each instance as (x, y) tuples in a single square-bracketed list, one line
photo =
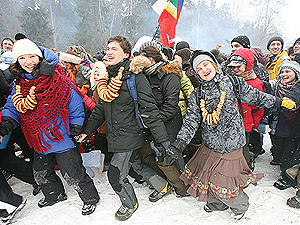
[(267, 205)]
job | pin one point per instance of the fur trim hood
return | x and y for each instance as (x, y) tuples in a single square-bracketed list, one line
[(65, 57), (139, 63)]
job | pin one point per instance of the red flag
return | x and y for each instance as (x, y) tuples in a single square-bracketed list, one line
[(169, 11)]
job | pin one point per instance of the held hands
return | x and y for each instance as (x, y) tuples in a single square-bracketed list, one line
[(172, 155), (288, 103), (80, 138)]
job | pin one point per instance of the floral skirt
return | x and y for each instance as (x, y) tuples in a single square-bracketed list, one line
[(212, 174)]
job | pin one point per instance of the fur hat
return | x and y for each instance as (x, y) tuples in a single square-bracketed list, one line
[(70, 56), (291, 65), (25, 46), (275, 39), (185, 55), (243, 40), (7, 58)]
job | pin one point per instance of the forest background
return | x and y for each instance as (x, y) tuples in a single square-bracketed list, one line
[(89, 23)]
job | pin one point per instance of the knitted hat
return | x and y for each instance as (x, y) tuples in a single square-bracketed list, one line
[(70, 56), (291, 65), (199, 56), (182, 44), (275, 39), (243, 40), (25, 46), (7, 58), (298, 40), (185, 55)]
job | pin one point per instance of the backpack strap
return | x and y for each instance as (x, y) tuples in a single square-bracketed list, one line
[(199, 95), (133, 92), (237, 90)]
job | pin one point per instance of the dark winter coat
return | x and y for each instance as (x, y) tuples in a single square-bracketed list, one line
[(165, 84), (5, 87), (122, 130), (282, 124)]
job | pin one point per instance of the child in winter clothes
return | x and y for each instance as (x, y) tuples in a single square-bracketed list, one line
[(49, 115), (218, 172), (242, 63)]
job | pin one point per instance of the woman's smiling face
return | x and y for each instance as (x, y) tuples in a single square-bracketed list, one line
[(206, 70), (287, 75), (28, 62)]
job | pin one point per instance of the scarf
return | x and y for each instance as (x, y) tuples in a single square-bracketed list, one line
[(52, 94), (114, 69), (248, 75), (152, 68)]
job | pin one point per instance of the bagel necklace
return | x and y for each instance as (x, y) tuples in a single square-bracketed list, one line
[(23, 104), (214, 117), (108, 92)]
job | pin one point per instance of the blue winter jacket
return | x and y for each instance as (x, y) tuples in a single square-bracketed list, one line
[(77, 116)]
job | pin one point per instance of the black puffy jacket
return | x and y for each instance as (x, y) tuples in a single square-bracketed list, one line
[(122, 130)]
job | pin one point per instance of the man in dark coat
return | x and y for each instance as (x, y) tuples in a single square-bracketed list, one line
[(124, 136)]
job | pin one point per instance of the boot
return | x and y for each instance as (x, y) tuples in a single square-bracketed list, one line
[(124, 213)]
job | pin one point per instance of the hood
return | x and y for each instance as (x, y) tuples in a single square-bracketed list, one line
[(172, 67), (247, 55)]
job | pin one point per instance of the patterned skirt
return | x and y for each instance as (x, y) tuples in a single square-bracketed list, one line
[(212, 174)]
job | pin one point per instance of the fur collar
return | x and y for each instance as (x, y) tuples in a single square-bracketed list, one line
[(65, 57), (139, 63)]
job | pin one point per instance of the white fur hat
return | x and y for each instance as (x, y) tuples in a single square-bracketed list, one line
[(25, 46), (66, 57)]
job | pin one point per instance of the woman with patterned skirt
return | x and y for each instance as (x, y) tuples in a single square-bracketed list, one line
[(218, 172)]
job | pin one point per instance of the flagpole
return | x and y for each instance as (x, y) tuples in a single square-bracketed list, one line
[(157, 28)]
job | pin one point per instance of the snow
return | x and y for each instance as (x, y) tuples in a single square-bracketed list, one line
[(267, 204)]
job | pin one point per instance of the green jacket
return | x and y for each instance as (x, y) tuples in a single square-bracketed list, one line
[(186, 89)]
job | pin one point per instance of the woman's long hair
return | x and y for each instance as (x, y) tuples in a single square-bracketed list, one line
[(17, 70)]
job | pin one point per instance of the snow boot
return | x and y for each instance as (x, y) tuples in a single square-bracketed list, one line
[(294, 202), (47, 202), (88, 209), (124, 213), (155, 196)]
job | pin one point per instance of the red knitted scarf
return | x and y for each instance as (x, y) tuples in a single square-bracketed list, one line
[(52, 95)]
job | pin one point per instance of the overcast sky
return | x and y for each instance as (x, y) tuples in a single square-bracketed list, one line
[(289, 16)]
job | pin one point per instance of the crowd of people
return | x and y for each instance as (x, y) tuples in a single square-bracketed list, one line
[(180, 120)]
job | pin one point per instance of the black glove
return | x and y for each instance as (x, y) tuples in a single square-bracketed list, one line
[(159, 150), (172, 155), (174, 150)]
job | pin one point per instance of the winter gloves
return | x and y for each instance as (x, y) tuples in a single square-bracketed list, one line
[(287, 103), (174, 150)]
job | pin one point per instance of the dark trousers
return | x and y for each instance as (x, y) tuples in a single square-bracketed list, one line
[(15, 166), (283, 148), (9, 201), (72, 170), (171, 172), (255, 142)]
